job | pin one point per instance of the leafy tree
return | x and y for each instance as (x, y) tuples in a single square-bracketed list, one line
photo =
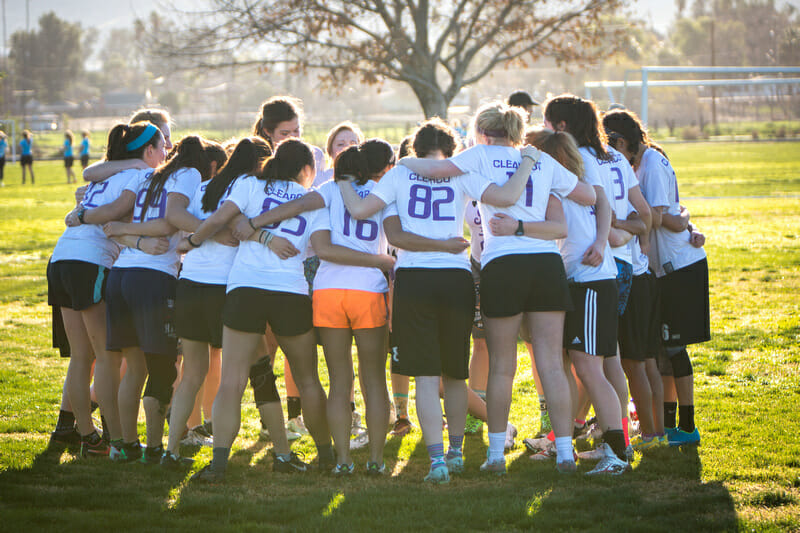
[(48, 60), (436, 48)]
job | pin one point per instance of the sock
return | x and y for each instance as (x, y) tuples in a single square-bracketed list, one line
[(292, 407), (66, 420), (353, 406), (579, 423), (686, 413), (219, 463), (497, 442), (481, 393), (616, 440), (670, 414), (436, 452), (625, 430), (564, 449), (551, 436), (325, 451), (401, 405), (456, 442)]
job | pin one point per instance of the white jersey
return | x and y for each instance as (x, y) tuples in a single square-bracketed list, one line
[(430, 207), (473, 219), (184, 181), (87, 242), (363, 235), (581, 233), (255, 265), (673, 251), (497, 164), (210, 262)]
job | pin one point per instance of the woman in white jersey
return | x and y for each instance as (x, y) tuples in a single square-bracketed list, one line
[(521, 277), (76, 276), (340, 137), (679, 262), (433, 305)]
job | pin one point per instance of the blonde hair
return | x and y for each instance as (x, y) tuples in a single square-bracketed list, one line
[(339, 128), (560, 145), (498, 120)]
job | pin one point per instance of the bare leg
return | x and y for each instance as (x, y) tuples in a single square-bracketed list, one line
[(106, 372), (195, 367), (429, 409), (657, 388), (501, 338), (602, 394), (212, 381), (130, 392), (641, 392), (455, 405), (547, 333), (336, 343), (79, 373), (372, 371)]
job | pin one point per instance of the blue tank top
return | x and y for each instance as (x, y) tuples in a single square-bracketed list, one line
[(26, 145), (67, 148)]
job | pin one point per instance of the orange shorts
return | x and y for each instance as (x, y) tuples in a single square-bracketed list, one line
[(346, 308)]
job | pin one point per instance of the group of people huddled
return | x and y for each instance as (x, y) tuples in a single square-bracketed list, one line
[(578, 245)]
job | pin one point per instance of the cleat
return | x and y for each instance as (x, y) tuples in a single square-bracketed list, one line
[(663, 441), (640, 444), (511, 434), (175, 462), (197, 436), (402, 427), (610, 464), (325, 464), (64, 438), (152, 456), (375, 469), (536, 445), (455, 462), (342, 470), (669, 432), (474, 426), (208, 427), (439, 474), (207, 475), (494, 467), (93, 445), (358, 433), (566, 467), (296, 425), (290, 435), (125, 452), (592, 455), (292, 464), (682, 438), (581, 432)]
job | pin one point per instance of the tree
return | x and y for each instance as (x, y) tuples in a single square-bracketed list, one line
[(48, 60), (436, 48)]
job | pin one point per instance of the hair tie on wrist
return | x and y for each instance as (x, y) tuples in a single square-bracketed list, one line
[(189, 238), (138, 241), (250, 221)]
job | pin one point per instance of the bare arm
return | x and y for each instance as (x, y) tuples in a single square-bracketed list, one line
[(308, 202), (359, 208), (676, 223), (431, 168), (115, 210), (412, 242), (215, 222), (639, 203), (157, 227), (509, 193), (325, 249), (583, 194), (102, 170), (602, 209), (633, 225), (149, 245), (178, 215), (553, 227)]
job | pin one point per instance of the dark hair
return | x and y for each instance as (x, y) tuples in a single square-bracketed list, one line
[(624, 124), (405, 148), (291, 156), (246, 158), (363, 162), (189, 152), (349, 163), (216, 154), (434, 134), (582, 121), (274, 111), (122, 134)]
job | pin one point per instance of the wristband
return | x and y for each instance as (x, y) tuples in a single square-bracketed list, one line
[(193, 245), (250, 221), (268, 238), (520, 229), (81, 212), (139, 240)]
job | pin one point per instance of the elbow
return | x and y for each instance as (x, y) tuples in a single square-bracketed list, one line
[(560, 231), (504, 202), (358, 213)]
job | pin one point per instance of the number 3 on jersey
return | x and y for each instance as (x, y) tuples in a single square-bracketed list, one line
[(269, 203), (426, 200)]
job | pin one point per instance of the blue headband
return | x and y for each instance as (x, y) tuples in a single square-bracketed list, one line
[(142, 139)]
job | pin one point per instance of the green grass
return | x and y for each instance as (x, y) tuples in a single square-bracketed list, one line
[(745, 476)]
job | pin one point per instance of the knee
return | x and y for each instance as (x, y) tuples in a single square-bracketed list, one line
[(262, 379), (681, 364), (162, 374)]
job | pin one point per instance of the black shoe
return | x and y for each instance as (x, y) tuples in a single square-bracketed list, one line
[(325, 465), (65, 438), (152, 456), (289, 466), (207, 475), (171, 462), (93, 445), (125, 452)]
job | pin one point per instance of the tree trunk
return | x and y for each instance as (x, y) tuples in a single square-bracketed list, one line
[(432, 101)]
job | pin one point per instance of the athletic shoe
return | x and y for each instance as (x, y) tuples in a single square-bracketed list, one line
[(402, 426), (375, 469), (65, 438), (197, 436), (455, 462), (125, 452), (544, 425), (342, 470), (439, 474), (325, 464), (640, 444), (152, 456), (208, 427), (474, 426), (592, 455), (566, 467), (289, 466), (175, 463), (356, 443), (594, 432), (682, 438), (663, 441), (629, 453), (536, 445), (511, 434), (296, 425), (494, 467), (610, 464), (93, 445), (207, 475), (356, 428), (546, 454), (669, 432), (581, 432)]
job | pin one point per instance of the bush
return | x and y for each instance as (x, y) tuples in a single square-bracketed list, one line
[(754, 134), (691, 133)]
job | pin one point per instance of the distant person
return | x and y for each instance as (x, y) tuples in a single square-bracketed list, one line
[(523, 100), (26, 158), (69, 157), (3, 148), (85, 149)]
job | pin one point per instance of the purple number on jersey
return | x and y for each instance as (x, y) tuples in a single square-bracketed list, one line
[(422, 194), (619, 181), (366, 230), (268, 204), (93, 190)]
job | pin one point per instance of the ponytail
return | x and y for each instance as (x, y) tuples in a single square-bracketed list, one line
[(246, 159), (582, 120), (189, 152), (625, 124), (498, 120), (290, 158)]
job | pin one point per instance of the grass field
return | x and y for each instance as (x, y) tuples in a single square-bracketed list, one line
[(745, 476)]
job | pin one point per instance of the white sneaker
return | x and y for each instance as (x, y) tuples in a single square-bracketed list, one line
[(359, 442), (195, 437), (593, 455), (296, 425), (357, 428), (511, 433), (610, 464)]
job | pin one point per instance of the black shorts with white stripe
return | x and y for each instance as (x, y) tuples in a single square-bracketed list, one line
[(592, 326)]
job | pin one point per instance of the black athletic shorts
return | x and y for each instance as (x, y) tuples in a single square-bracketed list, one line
[(198, 312), (250, 310), (26, 160), (639, 327), (524, 283), (477, 324), (684, 305), (85, 160), (68, 161), (591, 327), (75, 285), (432, 315), (139, 310)]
